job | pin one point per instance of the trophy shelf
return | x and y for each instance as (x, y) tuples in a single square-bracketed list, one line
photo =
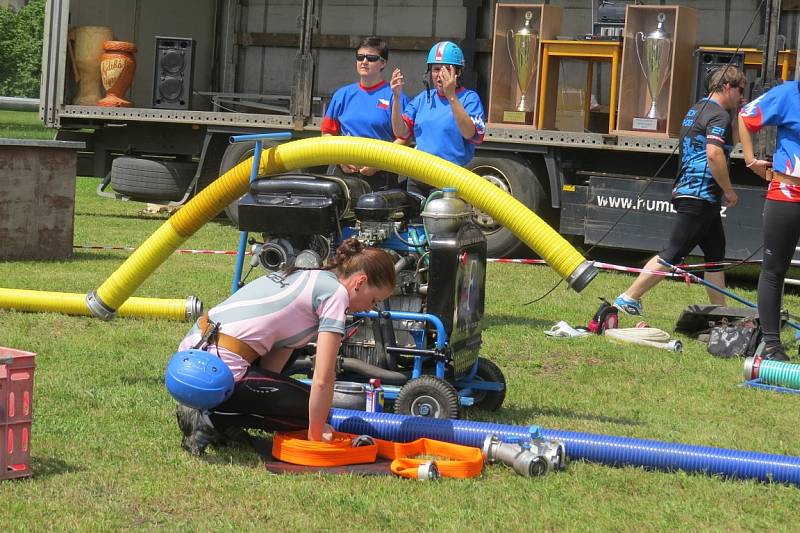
[(504, 90), (675, 96)]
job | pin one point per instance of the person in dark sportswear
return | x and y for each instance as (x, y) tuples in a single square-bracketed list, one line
[(780, 106), (708, 134)]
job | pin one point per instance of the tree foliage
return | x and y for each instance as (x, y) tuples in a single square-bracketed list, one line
[(21, 49)]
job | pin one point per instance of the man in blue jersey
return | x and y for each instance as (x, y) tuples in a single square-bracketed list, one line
[(447, 120), (708, 135), (364, 109)]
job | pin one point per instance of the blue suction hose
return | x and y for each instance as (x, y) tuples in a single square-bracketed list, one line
[(604, 449)]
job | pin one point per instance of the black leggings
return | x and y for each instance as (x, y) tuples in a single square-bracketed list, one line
[(264, 400), (781, 231)]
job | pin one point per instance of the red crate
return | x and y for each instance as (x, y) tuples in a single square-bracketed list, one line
[(16, 412)]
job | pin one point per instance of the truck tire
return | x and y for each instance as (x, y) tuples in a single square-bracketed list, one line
[(148, 180), (515, 177), (234, 154)]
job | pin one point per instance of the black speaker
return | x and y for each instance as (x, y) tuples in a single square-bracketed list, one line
[(172, 79), (708, 62)]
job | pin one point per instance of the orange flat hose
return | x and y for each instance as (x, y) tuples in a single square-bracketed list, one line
[(462, 461), (295, 448)]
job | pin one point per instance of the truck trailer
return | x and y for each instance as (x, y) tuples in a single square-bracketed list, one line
[(209, 69)]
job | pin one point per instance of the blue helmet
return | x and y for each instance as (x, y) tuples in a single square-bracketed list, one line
[(446, 53), (198, 379)]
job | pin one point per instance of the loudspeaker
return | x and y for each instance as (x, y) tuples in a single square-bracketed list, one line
[(708, 62), (172, 79)]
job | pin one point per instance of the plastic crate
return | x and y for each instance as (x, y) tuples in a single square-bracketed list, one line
[(16, 412)]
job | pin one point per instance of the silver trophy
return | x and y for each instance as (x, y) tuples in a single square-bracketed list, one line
[(657, 49), (523, 56)]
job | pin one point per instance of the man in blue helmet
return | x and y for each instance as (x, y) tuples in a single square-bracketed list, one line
[(447, 120)]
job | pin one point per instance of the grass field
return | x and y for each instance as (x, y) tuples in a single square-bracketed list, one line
[(106, 452), (23, 125)]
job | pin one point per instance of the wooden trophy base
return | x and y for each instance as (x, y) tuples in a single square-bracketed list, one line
[(518, 117), (649, 125)]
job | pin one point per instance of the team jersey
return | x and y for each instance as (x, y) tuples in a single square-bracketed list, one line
[(780, 106), (706, 123), (431, 120), (360, 111), (276, 311)]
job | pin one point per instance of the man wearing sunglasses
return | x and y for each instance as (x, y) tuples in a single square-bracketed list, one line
[(363, 109)]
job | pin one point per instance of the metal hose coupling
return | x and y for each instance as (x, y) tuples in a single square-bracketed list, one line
[(428, 471), (98, 308), (582, 276), (194, 308), (530, 458)]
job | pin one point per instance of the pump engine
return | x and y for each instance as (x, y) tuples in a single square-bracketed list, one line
[(426, 337)]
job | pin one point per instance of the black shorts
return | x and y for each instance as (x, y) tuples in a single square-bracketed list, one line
[(698, 223)]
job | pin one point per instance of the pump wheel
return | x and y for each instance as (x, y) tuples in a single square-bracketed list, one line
[(427, 396), (148, 180), (234, 154), (490, 372), (517, 178)]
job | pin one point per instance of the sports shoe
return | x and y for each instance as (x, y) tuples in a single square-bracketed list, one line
[(629, 305), (774, 352), (197, 433)]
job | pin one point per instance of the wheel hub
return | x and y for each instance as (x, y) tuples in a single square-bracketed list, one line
[(484, 220), (426, 406)]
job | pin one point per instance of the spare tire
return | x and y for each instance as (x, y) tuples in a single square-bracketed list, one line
[(148, 180), (516, 177)]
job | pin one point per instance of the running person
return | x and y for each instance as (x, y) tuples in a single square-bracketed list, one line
[(447, 120), (780, 106), (364, 109), (265, 321), (708, 135)]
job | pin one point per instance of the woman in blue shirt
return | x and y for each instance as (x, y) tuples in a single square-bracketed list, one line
[(446, 120), (363, 109)]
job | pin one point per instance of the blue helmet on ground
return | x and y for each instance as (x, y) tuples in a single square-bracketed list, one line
[(198, 379), (446, 53)]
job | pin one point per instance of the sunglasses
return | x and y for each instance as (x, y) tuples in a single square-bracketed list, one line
[(369, 57)]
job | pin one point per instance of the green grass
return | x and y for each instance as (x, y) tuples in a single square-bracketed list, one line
[(106, 452), (23, 125)]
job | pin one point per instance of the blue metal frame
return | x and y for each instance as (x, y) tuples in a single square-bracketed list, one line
[(257, 137), (465, 385), (758, 384)]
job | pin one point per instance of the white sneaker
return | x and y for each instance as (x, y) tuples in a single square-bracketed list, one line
[(562, 329)]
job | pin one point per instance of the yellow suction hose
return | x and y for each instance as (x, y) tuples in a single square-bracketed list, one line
[(75, 304), (504, 208)]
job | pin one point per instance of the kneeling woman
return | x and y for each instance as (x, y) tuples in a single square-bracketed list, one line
[(259, 327)]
